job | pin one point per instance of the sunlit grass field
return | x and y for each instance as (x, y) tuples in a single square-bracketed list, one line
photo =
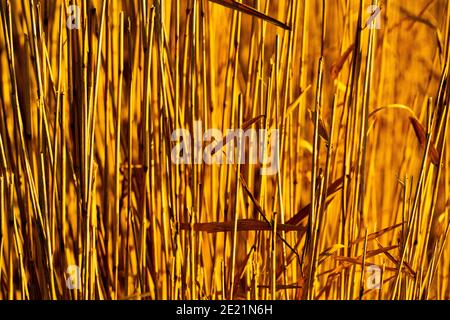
[(92, 205)]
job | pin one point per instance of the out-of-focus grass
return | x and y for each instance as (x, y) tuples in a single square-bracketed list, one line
[(86, 177)]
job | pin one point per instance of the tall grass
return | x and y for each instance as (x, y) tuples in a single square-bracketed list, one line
[(87, 180)]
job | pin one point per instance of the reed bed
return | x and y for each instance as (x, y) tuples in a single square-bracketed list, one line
[(87, 181)]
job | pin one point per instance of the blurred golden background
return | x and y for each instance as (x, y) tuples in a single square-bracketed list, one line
[(93, 207)]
